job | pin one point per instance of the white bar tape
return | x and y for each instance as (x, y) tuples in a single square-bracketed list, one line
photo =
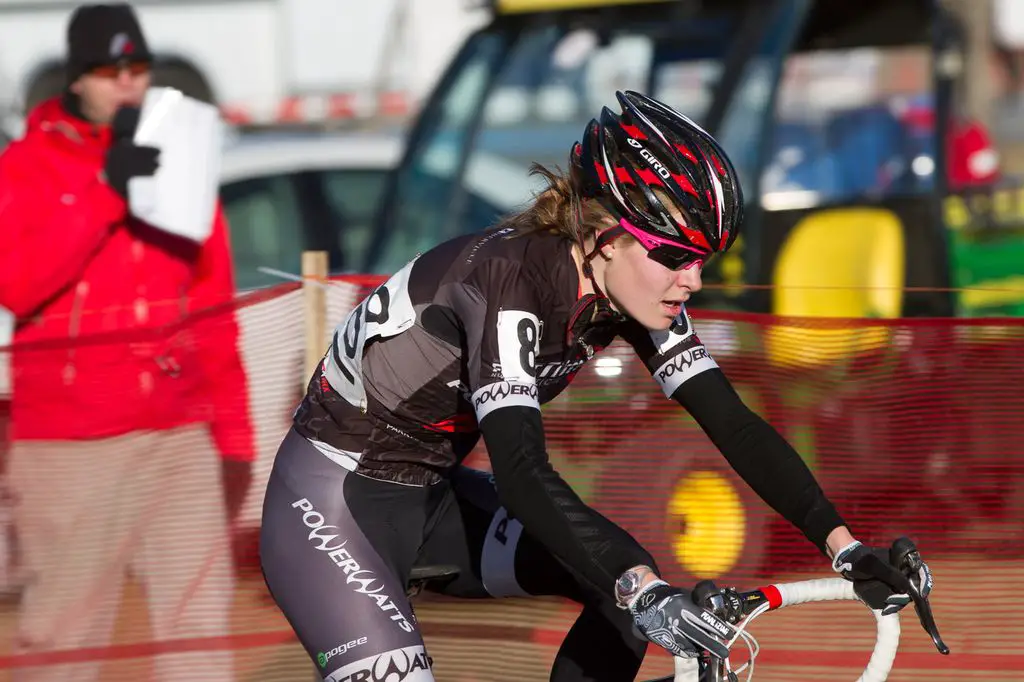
[(823, 589), (839, 589)]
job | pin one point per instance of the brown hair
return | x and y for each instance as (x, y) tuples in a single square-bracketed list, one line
[(559, 208)]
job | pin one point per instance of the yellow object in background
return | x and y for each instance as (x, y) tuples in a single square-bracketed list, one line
[(710, 515), (846, 262), (523, 6)]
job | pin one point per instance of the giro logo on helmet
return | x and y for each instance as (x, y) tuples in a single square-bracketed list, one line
[(658, 167)]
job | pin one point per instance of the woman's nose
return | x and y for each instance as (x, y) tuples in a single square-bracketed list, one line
[(690, 278)]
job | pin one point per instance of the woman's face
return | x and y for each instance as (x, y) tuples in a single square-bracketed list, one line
[(643, 289)]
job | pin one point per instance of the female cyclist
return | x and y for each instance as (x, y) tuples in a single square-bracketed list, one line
[(471, 338)]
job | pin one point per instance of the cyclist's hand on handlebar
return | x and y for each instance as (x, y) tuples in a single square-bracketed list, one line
[(668, 617), (877, 581)]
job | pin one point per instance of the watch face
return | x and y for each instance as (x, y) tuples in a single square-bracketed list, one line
[(627, 585)]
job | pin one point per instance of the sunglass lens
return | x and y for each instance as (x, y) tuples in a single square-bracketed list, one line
[(114, 70), (675, 259)]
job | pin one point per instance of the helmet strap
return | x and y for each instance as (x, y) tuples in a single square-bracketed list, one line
[(593, 309), (603, 239)]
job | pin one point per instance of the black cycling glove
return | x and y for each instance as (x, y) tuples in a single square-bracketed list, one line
[(877, 582), (668, 617)]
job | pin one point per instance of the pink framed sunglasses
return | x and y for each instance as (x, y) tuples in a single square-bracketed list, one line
[(672, 255)]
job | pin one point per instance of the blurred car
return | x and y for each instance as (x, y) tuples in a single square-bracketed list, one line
[(285, 193)]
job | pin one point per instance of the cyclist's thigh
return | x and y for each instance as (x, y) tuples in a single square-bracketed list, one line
[(495, 557), (325, 567)]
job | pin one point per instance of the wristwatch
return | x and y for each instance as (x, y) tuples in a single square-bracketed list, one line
[(627, 587)]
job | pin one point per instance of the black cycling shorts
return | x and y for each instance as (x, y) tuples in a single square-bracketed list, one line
[(337, 548)]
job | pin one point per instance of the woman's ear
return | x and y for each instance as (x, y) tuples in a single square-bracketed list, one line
[(608, 250)]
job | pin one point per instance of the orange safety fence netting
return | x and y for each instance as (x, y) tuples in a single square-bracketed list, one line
[(913, 426)]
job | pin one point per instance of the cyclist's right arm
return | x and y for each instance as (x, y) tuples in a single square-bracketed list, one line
[(501, 320)]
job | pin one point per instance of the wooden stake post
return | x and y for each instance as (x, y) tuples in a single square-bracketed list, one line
[(314, 294)]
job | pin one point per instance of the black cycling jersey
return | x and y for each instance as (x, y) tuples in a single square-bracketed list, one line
[(478, 324), (473, 337)]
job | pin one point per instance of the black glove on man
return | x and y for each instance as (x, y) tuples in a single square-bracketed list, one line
[(125, 159)]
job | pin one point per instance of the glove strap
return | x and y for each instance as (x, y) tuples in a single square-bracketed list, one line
[(840, 558), (647, 588)]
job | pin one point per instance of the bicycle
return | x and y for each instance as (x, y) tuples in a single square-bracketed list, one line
[(742, 608)]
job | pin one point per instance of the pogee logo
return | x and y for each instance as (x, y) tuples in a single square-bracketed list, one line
[(363, 581), (322, 658)]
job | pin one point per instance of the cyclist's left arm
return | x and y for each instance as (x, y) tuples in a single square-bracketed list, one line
[(687, 373), (765, 460)]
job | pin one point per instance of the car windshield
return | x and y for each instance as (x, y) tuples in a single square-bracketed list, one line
[(516, 97)]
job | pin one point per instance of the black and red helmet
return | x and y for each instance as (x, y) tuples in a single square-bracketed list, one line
[(650, 145)]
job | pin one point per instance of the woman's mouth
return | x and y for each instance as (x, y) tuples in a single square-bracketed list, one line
[(673, 307)]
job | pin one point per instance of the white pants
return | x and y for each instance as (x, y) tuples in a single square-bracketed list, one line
[(86, 512)]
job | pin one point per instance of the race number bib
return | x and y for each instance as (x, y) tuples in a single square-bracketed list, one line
[(518, 345), (518, 336), (387, 311)]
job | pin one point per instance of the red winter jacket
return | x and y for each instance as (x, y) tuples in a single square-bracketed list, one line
[(101, 346)]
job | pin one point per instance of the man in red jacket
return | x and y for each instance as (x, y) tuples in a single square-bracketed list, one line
[(122, 400)]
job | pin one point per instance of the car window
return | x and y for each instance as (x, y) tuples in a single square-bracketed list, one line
[(556, 80), (427, 183), (266, 228), (352, 197), (525, 95), (852, 123)]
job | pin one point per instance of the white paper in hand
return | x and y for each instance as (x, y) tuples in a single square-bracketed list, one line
[(181, 196)]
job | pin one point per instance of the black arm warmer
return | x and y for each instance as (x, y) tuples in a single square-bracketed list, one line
[(760, 455), (593, 547)]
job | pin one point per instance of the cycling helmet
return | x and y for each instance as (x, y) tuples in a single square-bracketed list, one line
[(650, 145)]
